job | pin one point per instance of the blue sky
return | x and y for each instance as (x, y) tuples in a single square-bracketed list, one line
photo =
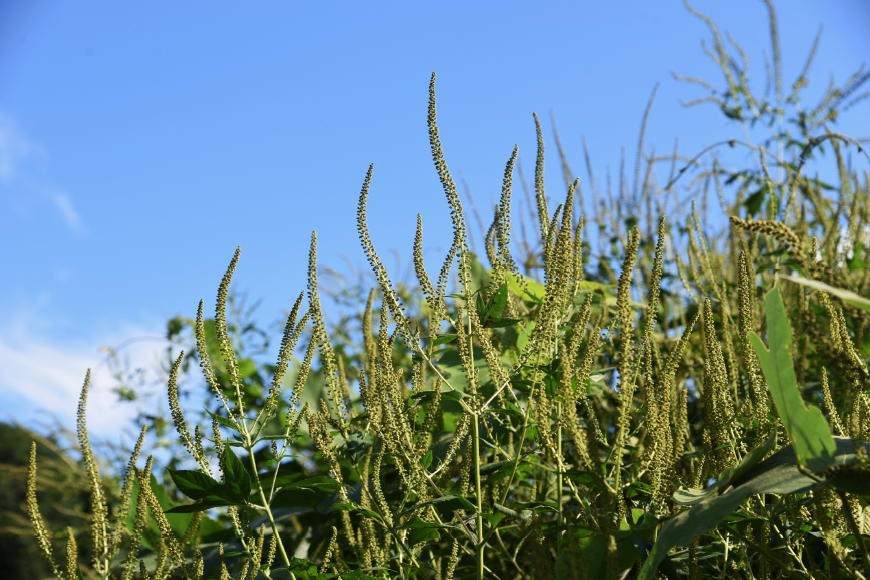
[(140, 143)]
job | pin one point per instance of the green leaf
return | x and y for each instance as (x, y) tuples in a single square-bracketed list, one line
[(444, 339), (488, 468), (535, 290), (807, 428), (730, 476), (508, 511), (754, 201), (421, 531), (238, 481), (320, 482), (778, 474), (502, 322), (846, 296), (349, 507), (195, 484), (203, 505), (446, 502), (355, 447), (426, 460), (856, 263), (223, 421)]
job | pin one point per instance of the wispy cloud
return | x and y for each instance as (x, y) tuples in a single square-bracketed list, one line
[(64, 205), (44, 375), (15, 149), (22, 170)]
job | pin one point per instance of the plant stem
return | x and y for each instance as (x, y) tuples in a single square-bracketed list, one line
[(559, 474), (480, 543)]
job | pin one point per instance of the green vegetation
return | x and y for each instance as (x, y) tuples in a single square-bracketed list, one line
[(653, 402)]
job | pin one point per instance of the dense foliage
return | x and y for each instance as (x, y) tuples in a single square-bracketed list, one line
[(612, 396)]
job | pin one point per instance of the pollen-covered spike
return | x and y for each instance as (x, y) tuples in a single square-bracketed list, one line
[(540, 197), (222, 331), (460, 238), (36, 521), (99, 509)]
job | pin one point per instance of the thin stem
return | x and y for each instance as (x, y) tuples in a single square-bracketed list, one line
[(481, 543), (850, 518)]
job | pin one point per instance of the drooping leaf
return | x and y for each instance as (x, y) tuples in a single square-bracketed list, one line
[(730, 476), (223, 420), (421, 531), (349, 507), (807, 428), (846, 296), (446, 502), (777, 474)]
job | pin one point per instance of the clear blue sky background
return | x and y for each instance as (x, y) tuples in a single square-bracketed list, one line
[(141, 142)]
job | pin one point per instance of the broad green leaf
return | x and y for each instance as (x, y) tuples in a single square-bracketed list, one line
[(238, 481), (444, 339), (730, 476), (426, 460), (594, 550), (323, 482), (447, 503), (535, 291), (427, 396), (846, 296), (807, 428), (488, 468), (502, 322), (198, 507), (195, 484), (777, 474), (421, 531), (498, 301), (754, 201)]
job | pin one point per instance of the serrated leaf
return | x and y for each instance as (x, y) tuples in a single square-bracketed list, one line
[(195, 484), (426, 460), (238, 481)]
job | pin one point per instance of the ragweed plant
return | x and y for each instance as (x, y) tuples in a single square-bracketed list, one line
[(633, 405)]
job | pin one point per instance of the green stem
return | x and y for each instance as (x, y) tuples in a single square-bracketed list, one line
[(480, 543), (559, 474), (526, 416), (267, 509)]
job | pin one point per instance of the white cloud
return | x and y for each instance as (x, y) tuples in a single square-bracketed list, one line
[(15, 149), (64, 205), (44, 375), (21, 173)]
